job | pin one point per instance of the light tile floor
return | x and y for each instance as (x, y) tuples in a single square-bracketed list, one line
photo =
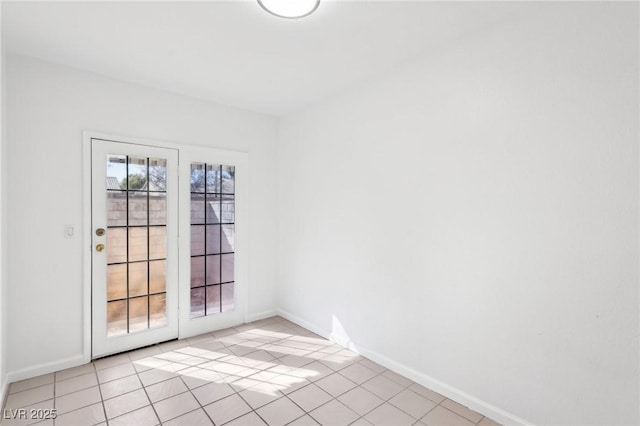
[(267, 372)]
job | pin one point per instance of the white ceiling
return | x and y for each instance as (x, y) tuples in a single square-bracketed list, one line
[(236, 54)]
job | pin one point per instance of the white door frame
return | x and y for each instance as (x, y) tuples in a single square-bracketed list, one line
[(187, 153)]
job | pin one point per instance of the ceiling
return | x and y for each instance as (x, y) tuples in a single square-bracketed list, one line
[(236, 54)]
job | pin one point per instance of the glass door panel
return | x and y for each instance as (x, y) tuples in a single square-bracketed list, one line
[(212, 239), (134, 216)]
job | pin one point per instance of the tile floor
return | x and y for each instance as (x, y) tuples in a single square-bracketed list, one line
[(267, 372)]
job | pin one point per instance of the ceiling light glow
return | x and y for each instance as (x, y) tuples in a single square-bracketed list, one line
[(291, 9)]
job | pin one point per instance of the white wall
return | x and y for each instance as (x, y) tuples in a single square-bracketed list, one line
[(474, 217), (50, 106)]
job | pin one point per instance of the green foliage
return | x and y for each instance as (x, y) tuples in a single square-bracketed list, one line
[(134, 182)]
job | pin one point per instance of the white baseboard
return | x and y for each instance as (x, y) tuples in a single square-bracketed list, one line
[(261, 315), (451, 392), (305, 324), (45, 368)]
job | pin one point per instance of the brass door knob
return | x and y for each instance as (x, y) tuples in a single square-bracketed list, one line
[(100, 232), (100, 247)]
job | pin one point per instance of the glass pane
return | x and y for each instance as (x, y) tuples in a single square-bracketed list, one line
[(116, 208), (158, 310), (197, 208), (157, 276), (197, 271), (129, 203), (137, 178), (197, 302), (157, 208), (197, 177), (137, 279), (157, 242), (227, 267), (213, 269), (228, 238), (197, 240), (213, 178), (116, 318), (116, 281), (228, 209), (137, 208), (228, 301), (213, 209), (213, 299), (213, 239), (116, 245), (138, 314), (116, 172), (228, 179), (137, 244), (157, 174)]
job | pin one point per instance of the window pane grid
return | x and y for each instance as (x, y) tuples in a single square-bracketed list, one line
[(207, 285), (135, 226), (133, 262), (212, 225), (142, 295), (136, 243), (204, 255), (210, 193), (135, 190)]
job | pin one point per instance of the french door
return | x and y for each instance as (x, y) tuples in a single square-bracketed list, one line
[(134, 234)]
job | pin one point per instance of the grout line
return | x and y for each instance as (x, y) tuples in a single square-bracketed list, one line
[(80, 390), (104, 409), (200, 407), (259, 416), (144, 388), (54, 397), (235, 392), (281, 335)]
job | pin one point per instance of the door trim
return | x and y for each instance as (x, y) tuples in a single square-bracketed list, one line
[(185, 151)]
